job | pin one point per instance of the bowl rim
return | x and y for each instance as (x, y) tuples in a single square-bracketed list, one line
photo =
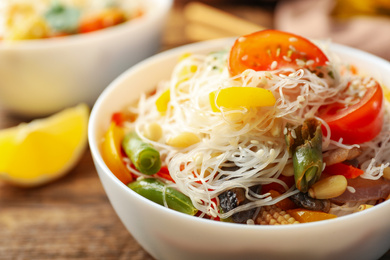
[(193, 47), (157, 9)]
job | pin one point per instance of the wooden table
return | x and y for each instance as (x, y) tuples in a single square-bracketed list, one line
[(72, 218)]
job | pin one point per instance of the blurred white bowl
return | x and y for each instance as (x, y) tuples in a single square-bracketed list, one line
[(167, 234), (39, 77)]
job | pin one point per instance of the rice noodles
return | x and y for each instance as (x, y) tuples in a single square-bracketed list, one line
[(240, 148)]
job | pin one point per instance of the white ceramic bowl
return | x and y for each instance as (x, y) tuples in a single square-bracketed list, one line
[(39, 77), (167, 234)]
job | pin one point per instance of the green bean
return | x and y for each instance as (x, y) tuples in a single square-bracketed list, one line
[(144, 156), (306, 150), (156, 190)]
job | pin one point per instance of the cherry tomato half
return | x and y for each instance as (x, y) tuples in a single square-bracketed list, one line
[(358, 123), (273, 49)]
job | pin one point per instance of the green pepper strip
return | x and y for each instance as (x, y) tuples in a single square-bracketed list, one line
[(306, 151), (144, 156), (153, 189)]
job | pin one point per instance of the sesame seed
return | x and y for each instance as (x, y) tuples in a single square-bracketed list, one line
[(260, 153), (292, 48), (309, 62), (286, 58), (277, 52), (293, 134), (348, 99), (371, 84), (274, 64), (300, 62), (366, 80), (293, 39), (241, 39)]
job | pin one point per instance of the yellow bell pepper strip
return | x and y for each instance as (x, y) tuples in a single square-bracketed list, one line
[(158, 192), (305, 215), (162, 101), (111, 153), (238, 97)]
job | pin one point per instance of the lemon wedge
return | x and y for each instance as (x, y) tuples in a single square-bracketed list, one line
[(45, 149)]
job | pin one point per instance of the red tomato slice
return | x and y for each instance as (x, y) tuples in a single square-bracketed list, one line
[(273, 49), (358, 123)]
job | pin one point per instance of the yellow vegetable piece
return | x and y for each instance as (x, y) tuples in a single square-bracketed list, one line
[(305, 215), (185, 56), (184, 75), (23, 23), (386, 92), (187, 71), (162, 101), (45, 149), (111, 153), (236, 97), (273, 215), (183, 140)]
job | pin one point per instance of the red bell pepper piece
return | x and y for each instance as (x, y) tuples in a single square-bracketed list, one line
[(348, 171)]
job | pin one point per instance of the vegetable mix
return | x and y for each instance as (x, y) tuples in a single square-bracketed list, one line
[(38, 19), (275, 130)]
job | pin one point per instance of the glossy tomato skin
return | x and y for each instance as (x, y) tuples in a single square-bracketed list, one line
[(273, 49), (358, 123)]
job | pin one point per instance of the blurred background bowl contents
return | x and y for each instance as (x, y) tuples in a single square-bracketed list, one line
[(25, 20), (42, 73)]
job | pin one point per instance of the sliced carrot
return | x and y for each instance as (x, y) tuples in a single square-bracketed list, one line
[(305, 215)]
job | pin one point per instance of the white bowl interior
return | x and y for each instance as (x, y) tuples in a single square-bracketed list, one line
[(167, 234)]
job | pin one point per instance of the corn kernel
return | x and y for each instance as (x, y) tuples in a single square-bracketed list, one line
[(183, 140), (153, 131), (386, 173), (288, 170), (273, 215), (329, 187), (163, 101), (276, 129)]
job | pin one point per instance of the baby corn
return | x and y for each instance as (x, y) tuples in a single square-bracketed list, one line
[(273, 215)]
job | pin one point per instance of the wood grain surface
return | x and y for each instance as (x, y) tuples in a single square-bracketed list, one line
[(71, 218)]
